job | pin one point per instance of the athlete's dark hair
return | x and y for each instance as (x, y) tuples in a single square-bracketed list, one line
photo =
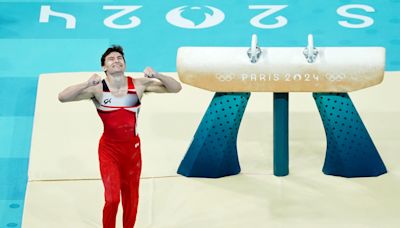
[(113, 48)]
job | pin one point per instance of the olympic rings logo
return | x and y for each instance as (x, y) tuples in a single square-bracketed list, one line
[(287, 77), (335, 77), (224, 77)]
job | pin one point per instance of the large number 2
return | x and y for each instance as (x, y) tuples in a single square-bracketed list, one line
[(270, 9), (109, 21)]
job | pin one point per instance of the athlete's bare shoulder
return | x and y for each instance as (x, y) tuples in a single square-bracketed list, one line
[(139, 84)]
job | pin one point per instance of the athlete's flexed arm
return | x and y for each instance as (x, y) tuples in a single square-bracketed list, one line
[(81, 91), (165, 84)]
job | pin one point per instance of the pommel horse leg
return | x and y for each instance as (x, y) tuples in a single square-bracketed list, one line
[(350, 151), (281, 134), (213, 151)]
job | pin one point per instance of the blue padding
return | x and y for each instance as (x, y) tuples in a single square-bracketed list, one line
[(13, 191), (15, 135), (11, 213), (350, 151), (17, 96), (32, 57), (13, 178), (213, 151)]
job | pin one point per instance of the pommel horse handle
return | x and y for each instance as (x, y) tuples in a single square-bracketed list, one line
[(329, 76)]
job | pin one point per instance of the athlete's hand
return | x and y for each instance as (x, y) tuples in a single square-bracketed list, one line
[(94, 80), (150, 72)]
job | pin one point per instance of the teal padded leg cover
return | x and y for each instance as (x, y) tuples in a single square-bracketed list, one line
[(350, 151), (281, 134), (213, 151)]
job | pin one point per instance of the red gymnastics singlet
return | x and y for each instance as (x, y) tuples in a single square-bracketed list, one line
[(119, 154)]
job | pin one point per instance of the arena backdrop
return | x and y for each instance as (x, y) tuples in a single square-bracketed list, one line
[(70, 36)]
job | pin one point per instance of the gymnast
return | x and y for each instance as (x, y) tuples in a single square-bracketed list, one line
[(117, 99)]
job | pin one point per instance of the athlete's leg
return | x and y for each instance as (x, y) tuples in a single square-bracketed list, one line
[(130, 176), (111, 180)]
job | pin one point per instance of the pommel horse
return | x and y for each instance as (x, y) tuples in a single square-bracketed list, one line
[(328, 72)]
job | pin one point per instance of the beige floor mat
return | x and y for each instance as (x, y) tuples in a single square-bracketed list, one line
[(64, 189)]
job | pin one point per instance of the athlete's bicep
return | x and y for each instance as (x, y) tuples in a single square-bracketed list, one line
[(84, 96), (151, 85), (87, 94), (155, 87)]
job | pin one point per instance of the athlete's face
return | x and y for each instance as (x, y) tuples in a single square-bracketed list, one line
[(114, 63)]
